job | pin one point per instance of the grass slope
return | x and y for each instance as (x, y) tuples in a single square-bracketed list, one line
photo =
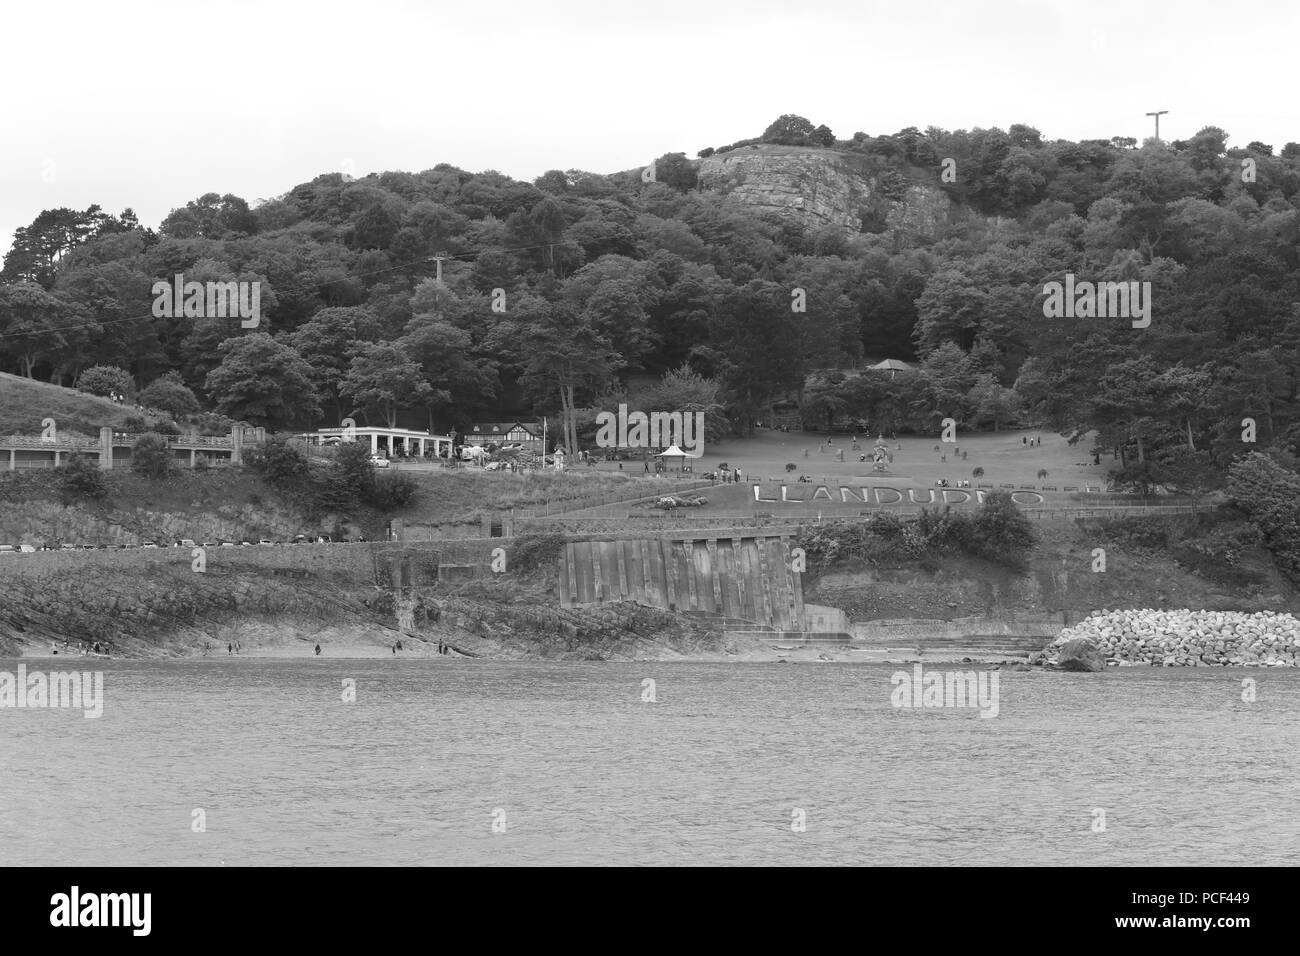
[(24, 403)]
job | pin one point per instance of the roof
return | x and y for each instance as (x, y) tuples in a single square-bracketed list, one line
[(501, 428), (892, 365)]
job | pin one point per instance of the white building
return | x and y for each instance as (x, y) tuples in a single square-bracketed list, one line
[(391, 441)]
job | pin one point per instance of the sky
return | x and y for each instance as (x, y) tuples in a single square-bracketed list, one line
[(149, 105)]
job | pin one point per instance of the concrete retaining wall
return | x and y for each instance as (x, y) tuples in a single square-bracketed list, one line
[(747, 578)]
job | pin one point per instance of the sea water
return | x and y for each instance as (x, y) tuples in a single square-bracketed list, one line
[(260, 761)]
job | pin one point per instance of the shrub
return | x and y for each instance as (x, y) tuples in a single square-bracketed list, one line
[(213, 424), (529, 552), (790, 466), (393, 491), (279, 462), (151, 456), (106, 380), (977, 473), (1270, 495), (1000, 532), (352, 473), (80, 478), (171, 395)]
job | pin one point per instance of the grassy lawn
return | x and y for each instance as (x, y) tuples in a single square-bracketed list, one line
[(24, 403)]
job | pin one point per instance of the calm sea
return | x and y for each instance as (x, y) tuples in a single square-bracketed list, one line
[(572, 766)]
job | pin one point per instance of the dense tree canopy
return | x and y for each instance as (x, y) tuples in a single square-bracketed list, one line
[(561, 291)]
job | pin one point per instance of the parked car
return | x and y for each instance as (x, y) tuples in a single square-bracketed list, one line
[(188, 543), (227, 544), (265, 541), (150, 544), (379, 461), (8, 549), (27, 548)]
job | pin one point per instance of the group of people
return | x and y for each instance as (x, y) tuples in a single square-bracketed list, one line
[(95, 647)]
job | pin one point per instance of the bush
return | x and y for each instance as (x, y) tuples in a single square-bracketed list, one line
[(393, 492), (1000, 532), (171, 395), (80, 479), (151, 456), (528, 552), (106, 380), (213, 424), (352, 473), (790, 466), (977, 473), (1270, 495), (278, 462)]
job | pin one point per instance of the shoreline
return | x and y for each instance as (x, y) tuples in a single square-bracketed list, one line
[(418, 649)]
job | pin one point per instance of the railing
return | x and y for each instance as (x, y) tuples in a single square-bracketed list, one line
[(47, 444), (119, 439)]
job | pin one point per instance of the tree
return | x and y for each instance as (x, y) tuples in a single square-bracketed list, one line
[(105, 381), (80, 478), (1002, 533), (151, 456), (327, 342), (675, 170), (382, 378), (32, 324), (683, 389), (821, 136), (263, 382), (279, 462), (566, 356), (1270, 495), (211, 216), (169, 394), (788, 130), (354, 473)]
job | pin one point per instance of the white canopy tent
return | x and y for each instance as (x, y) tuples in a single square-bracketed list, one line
[(671, 452)]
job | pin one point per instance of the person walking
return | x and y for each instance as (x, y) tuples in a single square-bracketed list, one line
[(318, 650), (230, 648)]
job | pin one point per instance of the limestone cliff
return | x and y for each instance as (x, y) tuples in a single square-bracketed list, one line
[(825, 187)]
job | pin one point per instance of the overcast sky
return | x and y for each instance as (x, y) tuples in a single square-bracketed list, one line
[(152, 104)]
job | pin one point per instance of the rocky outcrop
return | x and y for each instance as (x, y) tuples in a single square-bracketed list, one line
[(820, 187), (1185, 638), (1080, 654)]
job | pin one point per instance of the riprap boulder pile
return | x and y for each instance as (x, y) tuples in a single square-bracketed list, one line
[(1184, 638)]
